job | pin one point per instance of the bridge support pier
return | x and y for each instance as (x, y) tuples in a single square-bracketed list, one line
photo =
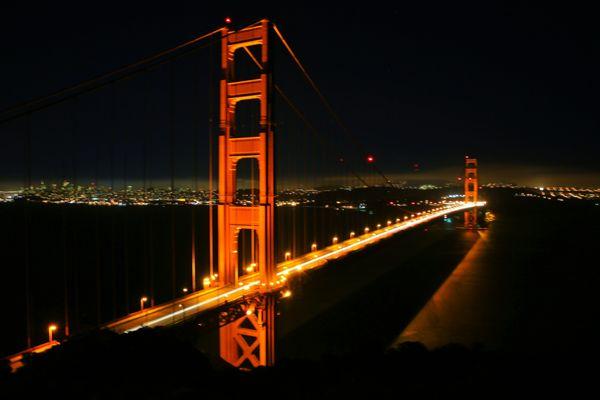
[(249, 341)]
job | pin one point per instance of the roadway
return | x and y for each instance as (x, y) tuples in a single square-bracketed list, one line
[(250, 285)]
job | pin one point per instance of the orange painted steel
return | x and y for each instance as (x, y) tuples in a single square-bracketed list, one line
[(258, 217), (471, 191), (249, 341)]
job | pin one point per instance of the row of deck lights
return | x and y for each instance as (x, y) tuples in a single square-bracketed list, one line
[(209, 281), (335, 239)]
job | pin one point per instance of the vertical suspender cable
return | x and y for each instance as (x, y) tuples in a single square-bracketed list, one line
[(126, 260), (97, 240), (74, 141), (195, 136), (66, 269), (113, 263), (210, 164), (150, 229), (145, 183), (112, 213), (98, 270), (112, 139), (172, 170), (73, 147), (26, 227), (125, 221), (66, 273), (151, 258)]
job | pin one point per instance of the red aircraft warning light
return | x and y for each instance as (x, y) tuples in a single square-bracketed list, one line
[(227, 20), (370, 158)]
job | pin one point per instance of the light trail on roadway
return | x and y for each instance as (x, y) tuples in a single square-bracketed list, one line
[(203, 300)]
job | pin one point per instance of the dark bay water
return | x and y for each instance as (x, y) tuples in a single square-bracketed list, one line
[(97, 262), (529, 283)]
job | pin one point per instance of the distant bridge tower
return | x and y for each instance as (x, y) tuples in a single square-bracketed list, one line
[(248, 342), (471, 191)]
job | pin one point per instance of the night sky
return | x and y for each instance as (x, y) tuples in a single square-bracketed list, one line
[(512, 83)]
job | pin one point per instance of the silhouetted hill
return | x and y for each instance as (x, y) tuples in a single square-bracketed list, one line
[(155, 364)]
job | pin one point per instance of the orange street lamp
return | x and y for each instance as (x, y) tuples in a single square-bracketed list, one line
[(51, 329), (352, 234), (334, 240), (288, 256), (142, 301), (313, 247), (250, 310), (184, 290)]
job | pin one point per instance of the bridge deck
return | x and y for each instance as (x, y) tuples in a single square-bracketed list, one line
[(177, 310)]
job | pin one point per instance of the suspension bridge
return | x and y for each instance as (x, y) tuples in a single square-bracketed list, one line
[(281, 206)]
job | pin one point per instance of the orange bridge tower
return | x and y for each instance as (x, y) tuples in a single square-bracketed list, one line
[(471, 190), (249, 341)]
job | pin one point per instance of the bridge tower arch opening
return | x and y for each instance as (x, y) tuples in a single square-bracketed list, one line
[(249, 341), (471, 181)]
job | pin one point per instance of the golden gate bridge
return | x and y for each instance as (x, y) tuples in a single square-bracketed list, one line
[(249, 277)]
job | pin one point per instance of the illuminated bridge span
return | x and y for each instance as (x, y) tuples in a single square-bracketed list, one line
[(247, 233), (250, 285)]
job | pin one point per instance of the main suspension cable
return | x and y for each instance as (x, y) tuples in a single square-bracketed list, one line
[(323, 99), (309, 125), (102, 80), (89, 84)]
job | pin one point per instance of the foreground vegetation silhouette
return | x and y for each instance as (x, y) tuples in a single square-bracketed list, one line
[(157, 363)]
